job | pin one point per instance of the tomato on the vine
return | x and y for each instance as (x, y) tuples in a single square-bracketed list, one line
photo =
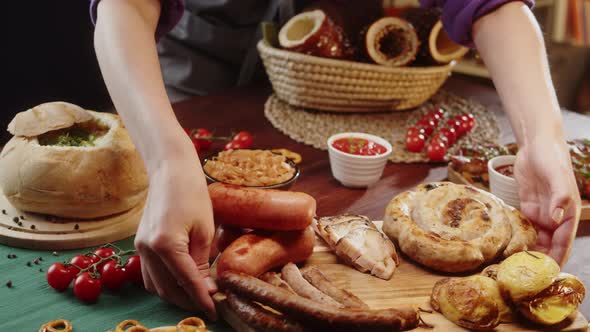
[(428, 125), (449, 133), (244, 138), (470, 120), (415, 142), (79, 262), (133, 269), (203, 138), (455, 124), (441, 138), (463, 125), (104, 252), (234, 145), (113, 276), (436, 150), (87, 287), (415, 131), (59, 276), (434, 116)]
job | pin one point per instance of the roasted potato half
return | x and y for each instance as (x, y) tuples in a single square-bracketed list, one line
[(525, 274), (491, 271), (473, 302), (557, 302)]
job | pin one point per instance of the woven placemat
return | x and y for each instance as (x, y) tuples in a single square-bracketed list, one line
[(313, 127)]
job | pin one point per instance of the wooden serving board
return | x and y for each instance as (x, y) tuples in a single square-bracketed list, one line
[(457, 177), (50, 233), (411, 285)]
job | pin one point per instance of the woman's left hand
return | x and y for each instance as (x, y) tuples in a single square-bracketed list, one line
[(549, 194)]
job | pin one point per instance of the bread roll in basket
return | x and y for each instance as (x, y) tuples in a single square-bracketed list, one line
[(456, 228), (70, 162)]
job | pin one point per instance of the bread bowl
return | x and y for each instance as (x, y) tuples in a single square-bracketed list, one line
[(70, 162)]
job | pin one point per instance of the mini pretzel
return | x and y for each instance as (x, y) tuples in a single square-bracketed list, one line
[(130, 325), (191, 324), (58, 325)]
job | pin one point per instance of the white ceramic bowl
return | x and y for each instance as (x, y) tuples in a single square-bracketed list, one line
[(501, 185), (357, 171)]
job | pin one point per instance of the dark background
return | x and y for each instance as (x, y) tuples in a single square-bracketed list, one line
[(47, 54)]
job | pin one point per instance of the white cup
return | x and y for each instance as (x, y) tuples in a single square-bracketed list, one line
[(502, 186), (356, 171)]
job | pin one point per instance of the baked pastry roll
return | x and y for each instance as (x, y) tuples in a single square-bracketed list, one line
[(455, 228)]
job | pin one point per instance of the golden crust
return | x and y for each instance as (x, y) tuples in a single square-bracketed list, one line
[(455, 228), (47, 117), (75, 182)]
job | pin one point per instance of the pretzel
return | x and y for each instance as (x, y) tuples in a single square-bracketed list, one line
[(191, 324), (58, 325), (130, 325)]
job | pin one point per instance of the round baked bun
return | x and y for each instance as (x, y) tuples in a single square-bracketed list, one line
[(456, 228), (39, 173)]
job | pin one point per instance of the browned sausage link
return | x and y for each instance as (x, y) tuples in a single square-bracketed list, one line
[(293, 277), (322, 316), (267, 209), (275, 279), (321, 282), (259, 318)]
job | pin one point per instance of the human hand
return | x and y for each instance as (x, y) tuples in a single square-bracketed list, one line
[(175, 235), (549, 195)]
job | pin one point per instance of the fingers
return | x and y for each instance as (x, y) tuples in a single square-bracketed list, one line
[(563, 237), (543, 241)]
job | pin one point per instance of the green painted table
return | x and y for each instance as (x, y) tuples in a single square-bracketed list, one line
[(31, 302)]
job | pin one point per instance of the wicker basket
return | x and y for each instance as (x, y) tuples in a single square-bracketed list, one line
[(346, 86)]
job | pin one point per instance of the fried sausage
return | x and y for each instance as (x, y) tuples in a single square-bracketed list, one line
[(293, 277), (259, 318), (321, 282), (255, 253), (267, 209), (316, 315), (275, 279)]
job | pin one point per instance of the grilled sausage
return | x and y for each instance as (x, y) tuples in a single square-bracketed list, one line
[(273, 210), (321, 282), (293, 277), (275, 279), (316, 315)]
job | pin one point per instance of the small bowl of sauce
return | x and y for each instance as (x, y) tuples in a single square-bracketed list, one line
[(502, 181), (357, 160)]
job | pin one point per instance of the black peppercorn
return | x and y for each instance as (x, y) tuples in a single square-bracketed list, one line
[(9, 284), (76, 227), (3, 211), (22, 217), (15, 219), (40, 270), (29, 264), (32, 226), (41, 259)]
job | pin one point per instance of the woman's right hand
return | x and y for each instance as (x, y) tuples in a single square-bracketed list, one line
[(175, 235)]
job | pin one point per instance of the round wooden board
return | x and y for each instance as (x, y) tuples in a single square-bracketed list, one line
[(51, 233)]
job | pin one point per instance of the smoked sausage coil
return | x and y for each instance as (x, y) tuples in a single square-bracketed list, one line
[(274, 210), (317, 315)]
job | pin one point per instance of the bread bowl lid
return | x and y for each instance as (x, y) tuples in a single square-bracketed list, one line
[(47, 117)]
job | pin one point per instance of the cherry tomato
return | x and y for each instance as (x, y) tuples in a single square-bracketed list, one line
[(455, 124), (92, 258), (87, 288), (202, 136), (415, 142), (133, 269), (112, 275), (434, 116), (428, 125), (415, 131), (442, 138), (436, 150), (245, 139), (79, 261), (449, 133), (59, 276), (463, 125), (440, 111), (104, 252)]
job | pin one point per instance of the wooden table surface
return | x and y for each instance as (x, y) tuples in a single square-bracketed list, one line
[(243, 109)]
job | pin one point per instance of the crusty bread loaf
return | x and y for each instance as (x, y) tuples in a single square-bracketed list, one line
[(71, 181)]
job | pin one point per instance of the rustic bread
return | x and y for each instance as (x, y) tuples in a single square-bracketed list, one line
[(84, 182), (455, 228)]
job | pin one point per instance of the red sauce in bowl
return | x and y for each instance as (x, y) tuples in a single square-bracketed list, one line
[(507, 170), (359, 146)]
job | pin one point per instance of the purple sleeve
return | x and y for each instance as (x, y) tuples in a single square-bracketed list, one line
[(170, 15), (458, 16)]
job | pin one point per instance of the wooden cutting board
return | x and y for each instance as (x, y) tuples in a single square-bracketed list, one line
[(410, 285), (49, 233), (456, 177)]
